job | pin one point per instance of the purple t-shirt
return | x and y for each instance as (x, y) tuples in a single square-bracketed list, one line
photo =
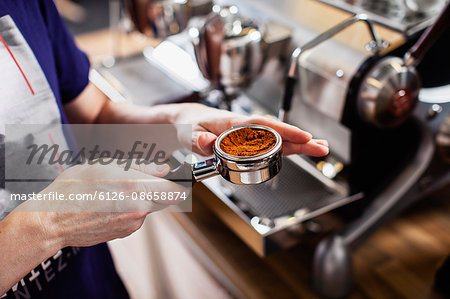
[(73, 272)]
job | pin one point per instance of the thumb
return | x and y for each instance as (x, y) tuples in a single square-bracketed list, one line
[(157, 170), (205, 141)]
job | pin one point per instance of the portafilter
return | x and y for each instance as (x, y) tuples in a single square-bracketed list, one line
[(242, 170)]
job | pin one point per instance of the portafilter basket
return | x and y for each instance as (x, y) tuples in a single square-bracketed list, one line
[(242, 170)]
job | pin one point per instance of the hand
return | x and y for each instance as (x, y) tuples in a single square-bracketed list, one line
[(86, 223), (93, 106), (208, 123)]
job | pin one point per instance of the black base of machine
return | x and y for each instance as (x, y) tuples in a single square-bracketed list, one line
[(332, 270)]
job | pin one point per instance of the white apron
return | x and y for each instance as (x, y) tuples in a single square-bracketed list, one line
[(25, 98)]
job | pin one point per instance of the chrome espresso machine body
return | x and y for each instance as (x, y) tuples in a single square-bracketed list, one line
[(371, 172)]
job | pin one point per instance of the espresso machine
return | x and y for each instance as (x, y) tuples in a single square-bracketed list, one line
[(231, 50), (337, 69)]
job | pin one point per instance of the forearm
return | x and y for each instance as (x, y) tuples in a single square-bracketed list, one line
[(122, 113), (23, 245), (93, 106)]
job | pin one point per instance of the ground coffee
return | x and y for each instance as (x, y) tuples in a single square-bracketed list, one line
[(248, 142)]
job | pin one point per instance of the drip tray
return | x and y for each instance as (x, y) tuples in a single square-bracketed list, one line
[(264, 215), (292, 191)]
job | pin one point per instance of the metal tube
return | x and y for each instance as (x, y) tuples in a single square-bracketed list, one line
[(338, 28), (204, 169)]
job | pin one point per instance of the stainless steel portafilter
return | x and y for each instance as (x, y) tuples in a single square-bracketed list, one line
[(242, 170)]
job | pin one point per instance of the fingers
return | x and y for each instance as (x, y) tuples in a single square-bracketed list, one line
[(288, 132), (202, 142), (174, 194), (322, 142), (157, 170), (315, 148), (295, 140), (205, 143), (147, 193)]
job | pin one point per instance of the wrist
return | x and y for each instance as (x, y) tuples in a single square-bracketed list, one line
[(52, 237), (24, 246), (171, 112), (39, 230), (178, 112)]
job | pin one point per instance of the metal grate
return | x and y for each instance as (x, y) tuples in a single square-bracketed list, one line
[(291, 190), (386, 8)]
